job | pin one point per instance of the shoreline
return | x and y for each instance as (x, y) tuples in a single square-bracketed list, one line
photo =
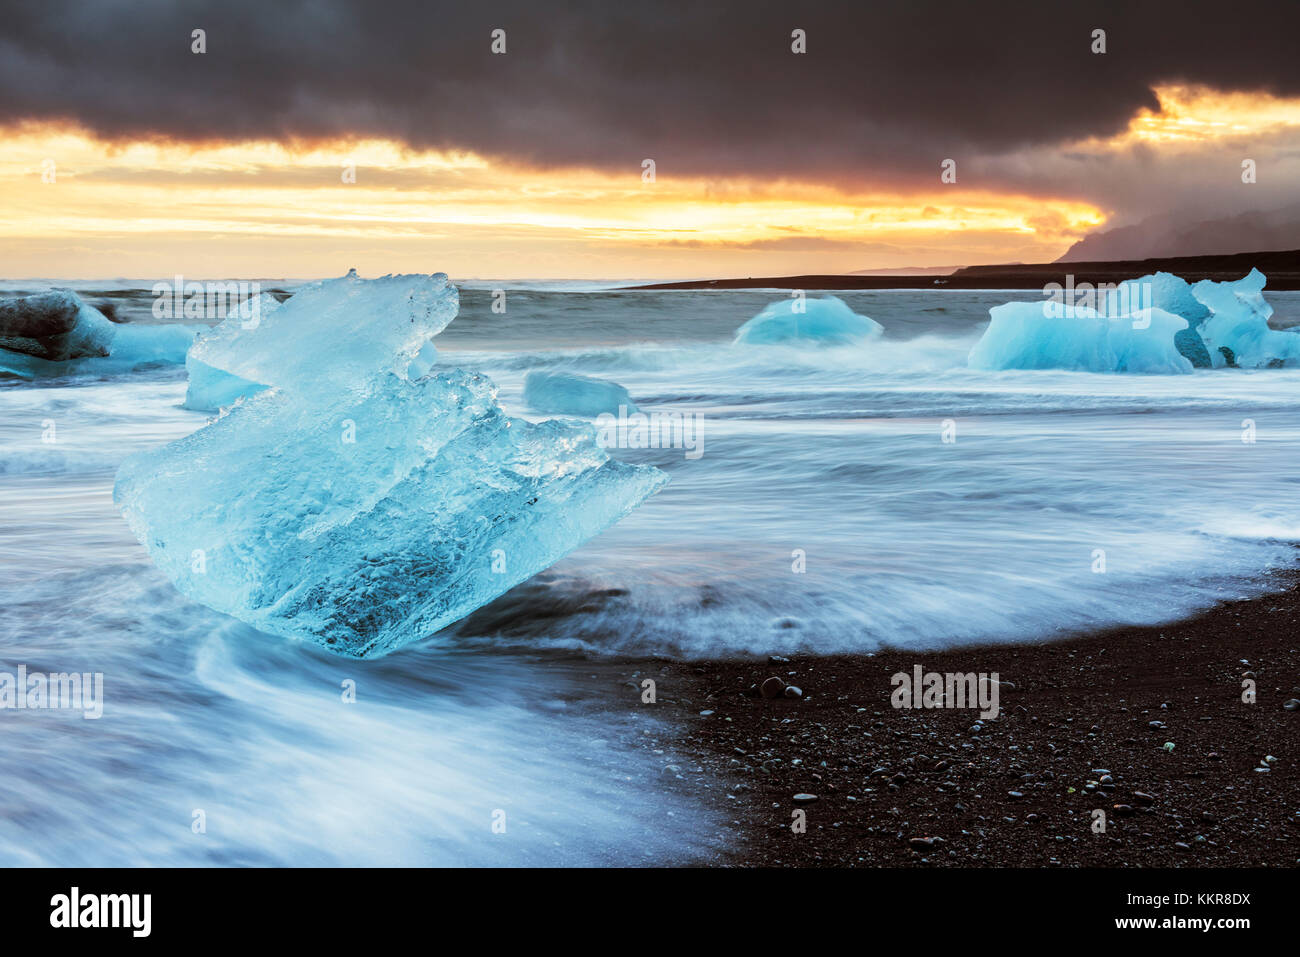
[(942, 787), (1281, 267)]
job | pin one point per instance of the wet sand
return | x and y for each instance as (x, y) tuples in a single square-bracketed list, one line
[(1083, 726)]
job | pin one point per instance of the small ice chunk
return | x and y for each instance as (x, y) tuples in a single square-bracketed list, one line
[(562, 393), (827, 321), (1236, 331), (54, 326)]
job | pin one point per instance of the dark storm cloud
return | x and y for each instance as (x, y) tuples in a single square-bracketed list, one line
[(884, 92)]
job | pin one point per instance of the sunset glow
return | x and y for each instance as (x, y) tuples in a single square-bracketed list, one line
[(144, 208), (72, 204)]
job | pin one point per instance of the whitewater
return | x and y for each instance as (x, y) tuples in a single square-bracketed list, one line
[(851, 497)]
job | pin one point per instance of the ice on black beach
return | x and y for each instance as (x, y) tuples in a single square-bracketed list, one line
[(352, 501)]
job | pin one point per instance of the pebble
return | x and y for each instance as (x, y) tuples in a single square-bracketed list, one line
[(772, 687), (1015, 795), (1292, 705), (1141, 797), (804, 798), (793, 691)]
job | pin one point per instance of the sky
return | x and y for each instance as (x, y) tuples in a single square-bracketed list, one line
[(606, 140)]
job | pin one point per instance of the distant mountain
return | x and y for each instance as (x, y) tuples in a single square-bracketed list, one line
[(1166, 236)]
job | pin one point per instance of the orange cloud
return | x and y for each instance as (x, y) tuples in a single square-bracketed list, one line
[(264, 208)]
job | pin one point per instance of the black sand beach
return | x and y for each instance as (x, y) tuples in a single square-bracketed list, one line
[(1083, 726)]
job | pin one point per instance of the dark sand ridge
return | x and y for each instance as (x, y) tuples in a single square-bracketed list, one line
[(1281, 267)]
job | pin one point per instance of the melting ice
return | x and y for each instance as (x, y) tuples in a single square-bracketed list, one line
[(1178, 327), (826, 321), (343, 501)]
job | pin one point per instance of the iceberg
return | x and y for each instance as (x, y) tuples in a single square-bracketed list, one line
[(827, 321), (54, 326), (561, 393), (1236, 330), (1227, 321), (353, 501), (1022, 335), (1171, 293)]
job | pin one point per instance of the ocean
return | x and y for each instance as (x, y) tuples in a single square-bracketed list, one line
[(844, 499)]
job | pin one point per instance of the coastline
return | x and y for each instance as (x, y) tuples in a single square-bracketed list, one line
[(941, 787), (1282, 268)]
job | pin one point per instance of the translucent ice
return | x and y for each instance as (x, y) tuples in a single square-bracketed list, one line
[(1227, 321), (1023, 335), (564, 394), (327, 335), (1166, 291), (827, 321), (145, 343), (352, 505), (1237, 331), (211, 386)]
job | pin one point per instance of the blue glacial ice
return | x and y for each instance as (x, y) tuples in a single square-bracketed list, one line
[(355, 502), (1236, 330), (1025, 335), (260, 343), (562, 393), (227, 346), (826, 321), (1165, 291), (1155, 324)]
